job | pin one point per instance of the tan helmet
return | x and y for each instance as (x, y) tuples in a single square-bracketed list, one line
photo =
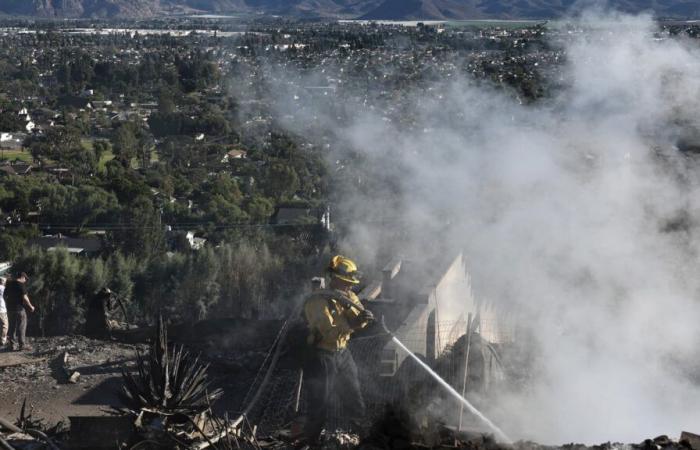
[(344, 269)]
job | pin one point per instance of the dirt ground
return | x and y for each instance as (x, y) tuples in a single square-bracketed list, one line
[(40, 377)]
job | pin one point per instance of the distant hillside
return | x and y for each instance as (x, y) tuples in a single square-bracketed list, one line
[(81, 8), (314, 8), (423, 9), (114, 8), (517, 9), (365, 9)]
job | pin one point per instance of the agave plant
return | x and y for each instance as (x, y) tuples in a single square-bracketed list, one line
[(168, 381)]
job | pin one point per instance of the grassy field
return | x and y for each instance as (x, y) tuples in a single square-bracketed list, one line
[(23, 155), (104, 159), (12, 155)]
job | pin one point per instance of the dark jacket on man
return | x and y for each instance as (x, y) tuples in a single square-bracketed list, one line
[(17, 312), (14, 296)]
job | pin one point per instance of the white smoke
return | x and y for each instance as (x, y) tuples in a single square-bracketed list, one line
[(566, 210)]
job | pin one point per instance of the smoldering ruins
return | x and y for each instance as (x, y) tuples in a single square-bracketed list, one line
[(539, 254)]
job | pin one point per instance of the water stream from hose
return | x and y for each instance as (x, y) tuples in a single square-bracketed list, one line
[(500, 435)]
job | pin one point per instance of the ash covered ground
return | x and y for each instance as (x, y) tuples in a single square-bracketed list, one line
[(43, 378), (39, 377)]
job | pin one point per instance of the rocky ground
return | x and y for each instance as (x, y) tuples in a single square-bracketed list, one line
[(76, 376), (42, 378)]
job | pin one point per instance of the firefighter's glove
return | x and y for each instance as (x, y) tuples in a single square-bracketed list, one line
[(367, 316)]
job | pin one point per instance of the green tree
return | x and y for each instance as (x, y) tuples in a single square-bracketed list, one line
[(14, 240), (125, 183), (166, 101), (167, 123), (123, 273), (259, 209), (55, 277), (249, 277), (100, 148), (77, 206), (10, 121), (125, 143), (281, 181), (141, 232)]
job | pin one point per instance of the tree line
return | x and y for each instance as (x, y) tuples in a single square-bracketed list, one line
[(244, 280)]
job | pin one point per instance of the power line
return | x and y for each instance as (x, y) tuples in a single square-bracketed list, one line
[(116, 226), (174, 226)]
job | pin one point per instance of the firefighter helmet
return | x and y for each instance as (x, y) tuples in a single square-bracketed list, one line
[(344, 269)]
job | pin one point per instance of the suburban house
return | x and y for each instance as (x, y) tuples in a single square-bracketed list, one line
[(294, 216), (183, 240), (427, 304), (12, 141), (233, 155), (195, 243), (77, 245)]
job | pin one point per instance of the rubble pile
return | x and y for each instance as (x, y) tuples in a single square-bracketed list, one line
[(453, 440), (396, 429), (687, 441), (170, 398), (28, 433)]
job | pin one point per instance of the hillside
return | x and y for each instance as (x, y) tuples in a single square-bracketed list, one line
[(515, 9), (365, 9), (81, 8), (423, 9), (114, 8)]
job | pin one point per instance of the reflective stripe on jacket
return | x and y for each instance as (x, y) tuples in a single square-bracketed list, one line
[(331, 320)]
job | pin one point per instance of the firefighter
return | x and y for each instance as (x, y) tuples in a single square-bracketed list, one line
[(332, 315)]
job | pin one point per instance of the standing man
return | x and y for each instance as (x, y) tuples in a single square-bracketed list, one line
[(4, 323), (18, 305), (332, 315)]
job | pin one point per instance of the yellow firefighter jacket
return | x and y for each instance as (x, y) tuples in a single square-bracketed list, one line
[(332, 321)]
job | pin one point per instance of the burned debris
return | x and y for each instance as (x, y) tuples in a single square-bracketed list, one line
[(169, 396), (30, 433), (169, 381)]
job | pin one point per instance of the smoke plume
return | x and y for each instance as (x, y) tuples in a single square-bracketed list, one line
[(578, 211)]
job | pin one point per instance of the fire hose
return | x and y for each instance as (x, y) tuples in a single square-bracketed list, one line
[(278, 345), (498, 432)]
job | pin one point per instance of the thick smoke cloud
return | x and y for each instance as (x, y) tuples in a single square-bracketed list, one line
[(579, 212)]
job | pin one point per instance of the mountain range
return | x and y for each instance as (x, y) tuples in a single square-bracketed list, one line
[(365, 9)]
